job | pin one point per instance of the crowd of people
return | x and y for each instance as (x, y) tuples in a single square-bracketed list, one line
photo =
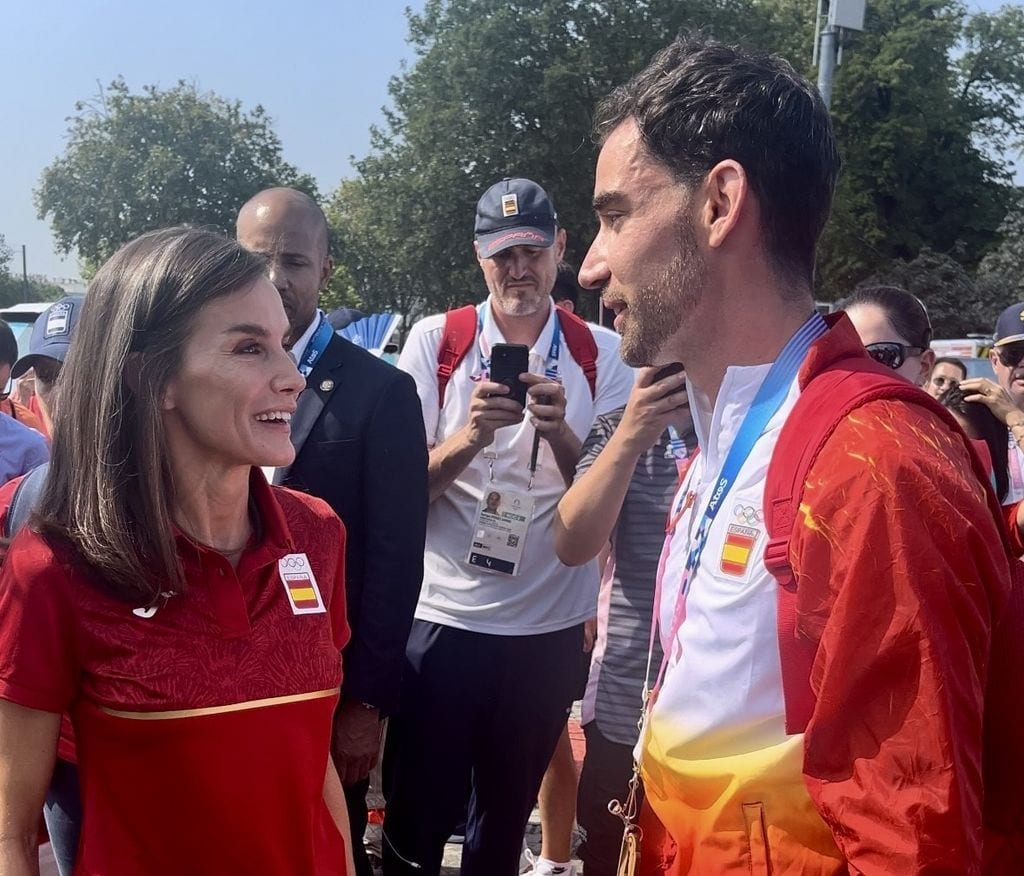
[(774, 553)]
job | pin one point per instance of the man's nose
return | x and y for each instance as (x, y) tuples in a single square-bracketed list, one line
[(594, 272)]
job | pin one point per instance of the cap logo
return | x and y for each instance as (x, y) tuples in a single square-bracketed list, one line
[(510, 204), (58, 319)]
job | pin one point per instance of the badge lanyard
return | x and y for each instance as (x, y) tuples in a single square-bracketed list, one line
[(316, 346), (769, 399), (551, 370)]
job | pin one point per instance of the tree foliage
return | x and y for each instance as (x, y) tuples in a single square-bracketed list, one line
[(1002, 270), (136, 162), (14, 289), (498, 88), (924, 103), (927, 100)]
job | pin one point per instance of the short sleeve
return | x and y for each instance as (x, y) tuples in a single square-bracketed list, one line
[(39, 663), (419, 361), (600, 432), (615, 378)]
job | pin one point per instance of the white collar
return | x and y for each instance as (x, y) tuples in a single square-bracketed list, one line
[(716, 429), (491, 334), (299, 347)]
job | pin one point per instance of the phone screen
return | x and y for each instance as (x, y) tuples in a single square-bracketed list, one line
[(508, 361)]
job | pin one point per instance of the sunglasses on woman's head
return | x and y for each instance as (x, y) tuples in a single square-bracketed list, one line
[(1011, 355), (892, 355)]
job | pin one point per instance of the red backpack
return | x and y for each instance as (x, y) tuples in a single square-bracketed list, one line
[(460, 333), (841, 377)]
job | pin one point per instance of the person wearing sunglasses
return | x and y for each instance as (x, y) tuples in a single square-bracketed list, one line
[(894, 327), (1005, 396), (947, 372)]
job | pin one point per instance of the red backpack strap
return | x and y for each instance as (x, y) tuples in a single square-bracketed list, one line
[(458, 337), (825, 401), (580, 341)]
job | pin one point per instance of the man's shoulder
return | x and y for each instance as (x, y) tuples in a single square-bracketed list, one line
[(888, 436), (371, 367), (431, 326), (19, 433)]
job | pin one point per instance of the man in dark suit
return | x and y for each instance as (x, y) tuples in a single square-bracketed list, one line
[(360, 446)]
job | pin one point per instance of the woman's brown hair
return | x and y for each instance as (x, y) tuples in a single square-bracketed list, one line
[(109, 490)]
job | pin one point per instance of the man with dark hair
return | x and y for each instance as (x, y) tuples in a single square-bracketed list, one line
[(827, 629), (359, 446)]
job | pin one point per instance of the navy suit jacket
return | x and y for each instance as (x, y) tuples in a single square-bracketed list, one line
[(360, 446)]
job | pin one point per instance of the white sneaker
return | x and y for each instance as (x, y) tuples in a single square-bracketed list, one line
[(543, 867)]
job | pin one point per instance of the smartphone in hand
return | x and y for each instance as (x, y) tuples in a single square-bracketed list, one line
[(508, 361)]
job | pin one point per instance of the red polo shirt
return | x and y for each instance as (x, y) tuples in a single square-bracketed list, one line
[(204, 729)]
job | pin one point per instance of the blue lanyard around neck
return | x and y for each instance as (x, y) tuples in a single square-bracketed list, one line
[(766, 404), (554, 351), (316, 346)]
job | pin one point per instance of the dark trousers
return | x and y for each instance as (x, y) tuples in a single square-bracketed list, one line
[(478, 710), (62, 812), (355, 800), (607, 767)]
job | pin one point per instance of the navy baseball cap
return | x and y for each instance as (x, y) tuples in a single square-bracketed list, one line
[(51, 333), (1010, 325), (514, 212)]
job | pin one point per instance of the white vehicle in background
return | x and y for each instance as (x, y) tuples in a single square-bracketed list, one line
[(21, 318), (972, 351)]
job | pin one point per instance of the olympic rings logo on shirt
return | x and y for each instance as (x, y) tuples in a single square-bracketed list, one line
[(747, 514), (294, 562)]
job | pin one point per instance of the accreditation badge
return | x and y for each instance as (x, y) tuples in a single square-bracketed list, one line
[(499, 531)]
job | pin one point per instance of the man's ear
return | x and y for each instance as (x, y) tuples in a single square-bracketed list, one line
[(326, 269), (726, 197), (559, 244)]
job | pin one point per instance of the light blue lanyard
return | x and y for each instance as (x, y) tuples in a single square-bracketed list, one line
[(767, 402), (316, 346), (554, 351)]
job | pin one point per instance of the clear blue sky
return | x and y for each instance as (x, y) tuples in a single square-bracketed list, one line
[(319, 67)]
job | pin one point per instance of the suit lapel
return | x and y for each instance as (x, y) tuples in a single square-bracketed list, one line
[(320, 385)]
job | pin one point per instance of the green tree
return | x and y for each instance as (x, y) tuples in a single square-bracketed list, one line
[(1002, 269), (958, 304), (926, 102), (926, 99), (499, 88), (6, 254), (136, 162)]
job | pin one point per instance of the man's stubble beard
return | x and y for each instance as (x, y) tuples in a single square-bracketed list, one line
[(657, 311)]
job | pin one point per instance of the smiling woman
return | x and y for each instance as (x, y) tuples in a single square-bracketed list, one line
[(187, 615)]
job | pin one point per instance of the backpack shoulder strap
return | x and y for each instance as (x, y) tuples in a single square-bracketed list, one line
[(25, 499), (458, 337), (826, 400), (582, 346)]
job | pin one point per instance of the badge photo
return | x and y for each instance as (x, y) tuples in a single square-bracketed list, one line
[(300, 584)]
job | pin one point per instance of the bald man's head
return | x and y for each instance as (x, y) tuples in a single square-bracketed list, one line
[(288, 228)]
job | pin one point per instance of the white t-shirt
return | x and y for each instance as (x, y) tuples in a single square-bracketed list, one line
[(545, 595), (722, 692)]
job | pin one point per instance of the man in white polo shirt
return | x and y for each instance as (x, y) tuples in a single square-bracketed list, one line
[(493, 658)]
